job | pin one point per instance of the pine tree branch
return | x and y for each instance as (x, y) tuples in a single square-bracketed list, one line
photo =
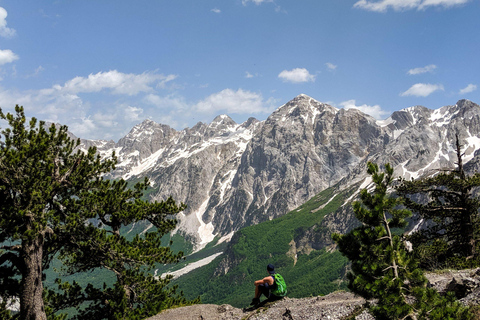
[(13, 258), (16, 248), (388, 268), (46, 231), (443, 208)]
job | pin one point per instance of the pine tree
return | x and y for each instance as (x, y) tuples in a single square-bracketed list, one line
[(382, 267), (51, 195), (451, 210)]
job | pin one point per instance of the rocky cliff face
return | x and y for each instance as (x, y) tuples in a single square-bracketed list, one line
[(302, 148), (231, 175)]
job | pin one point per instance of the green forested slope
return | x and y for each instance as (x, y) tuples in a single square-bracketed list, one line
[(252, 248)]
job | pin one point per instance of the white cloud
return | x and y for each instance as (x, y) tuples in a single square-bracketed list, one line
[(163, 82), (399, 5), (133, 113), (172, 108), (96, 116), (330, 66), (37, 71), (4, 30), (471, 87), (257, 2), (216, 10), (109, 119), (119, 83), (296, 75), (443, 3), (83, 127), (422, 89), (170, 102), (9, 98), (375, 111), (229, 101), (108, 122), (425, 69), (383, 5), (172, 120), (65, 103), (7, 56)]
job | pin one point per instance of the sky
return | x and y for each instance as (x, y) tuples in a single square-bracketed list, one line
[(101, 67)]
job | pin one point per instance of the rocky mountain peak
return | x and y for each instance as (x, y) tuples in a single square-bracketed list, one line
[(198, 127), (147, 122), (249, 123), (144, 130), (221, 125), (465, 103), (147, 136), (143, 126), (302, 97), (222, 119), (303, 100), (465, 108), (418, 114), (301, 108)]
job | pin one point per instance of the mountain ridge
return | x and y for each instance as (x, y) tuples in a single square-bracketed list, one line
[(232, 175)]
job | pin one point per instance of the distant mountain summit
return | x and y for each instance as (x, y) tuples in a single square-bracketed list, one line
[(232, 175)]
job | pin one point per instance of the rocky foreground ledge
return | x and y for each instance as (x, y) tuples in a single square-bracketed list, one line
[(334, 306)]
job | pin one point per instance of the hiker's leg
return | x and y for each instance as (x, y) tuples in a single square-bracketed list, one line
[(257, 292), (264, 289)]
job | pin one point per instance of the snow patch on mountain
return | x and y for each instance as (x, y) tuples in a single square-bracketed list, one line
[(227, 182), (205, 230), (368, 180), (397, 133), (177, 155), (150, 226), (417, 227), (442, 116), (144, 165), (386, 122), (191, 266), (402, 171), (473, 143), (227, 238)]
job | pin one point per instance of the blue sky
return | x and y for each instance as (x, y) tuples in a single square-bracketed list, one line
[(101, 67)]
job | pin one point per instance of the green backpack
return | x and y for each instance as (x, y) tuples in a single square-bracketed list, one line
[(280, 289)]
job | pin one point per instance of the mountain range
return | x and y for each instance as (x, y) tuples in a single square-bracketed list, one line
[(234, 175)]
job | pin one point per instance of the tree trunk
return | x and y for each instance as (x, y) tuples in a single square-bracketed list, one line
[(390, 239), (31, 300)]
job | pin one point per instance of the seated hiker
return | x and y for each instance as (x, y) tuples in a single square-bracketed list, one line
[(269, 287)]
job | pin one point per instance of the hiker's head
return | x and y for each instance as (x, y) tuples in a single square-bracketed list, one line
[(270, 268)]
